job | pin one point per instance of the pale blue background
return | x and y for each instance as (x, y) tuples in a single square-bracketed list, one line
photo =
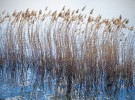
[(107, 8)]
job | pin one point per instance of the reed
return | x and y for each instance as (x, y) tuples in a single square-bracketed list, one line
[(70, 47)]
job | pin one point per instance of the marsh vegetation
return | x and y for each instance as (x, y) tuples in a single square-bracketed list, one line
[(66, 54)]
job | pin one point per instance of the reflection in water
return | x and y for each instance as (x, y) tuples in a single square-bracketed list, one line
[(28, 84)]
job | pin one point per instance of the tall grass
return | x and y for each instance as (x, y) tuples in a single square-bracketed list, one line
[(82, 52)]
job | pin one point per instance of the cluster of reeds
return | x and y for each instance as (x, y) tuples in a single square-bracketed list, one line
[(81, 52)]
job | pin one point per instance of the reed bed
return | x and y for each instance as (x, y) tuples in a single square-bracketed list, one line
[(82, 53)]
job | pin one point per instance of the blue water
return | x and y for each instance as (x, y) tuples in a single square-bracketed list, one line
[(30, 86)]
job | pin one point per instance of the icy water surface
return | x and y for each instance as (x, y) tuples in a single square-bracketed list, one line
[(26, 83)]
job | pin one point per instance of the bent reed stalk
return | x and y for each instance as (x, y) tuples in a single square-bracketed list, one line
[(70, 47)]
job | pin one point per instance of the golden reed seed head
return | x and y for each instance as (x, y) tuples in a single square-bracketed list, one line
[(23, 15), (98, 18), (14, 13), (63, 8), (60, 14), (69, 16), (73, 12), (90, 19), (83, 8), (120, 17), (67, 13), (124, 21), (54, 13), (40, 12), (91, 12), (27, 10), (77, 10), (127, 21)]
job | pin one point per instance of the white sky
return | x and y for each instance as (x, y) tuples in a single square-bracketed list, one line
[(107, 8)]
